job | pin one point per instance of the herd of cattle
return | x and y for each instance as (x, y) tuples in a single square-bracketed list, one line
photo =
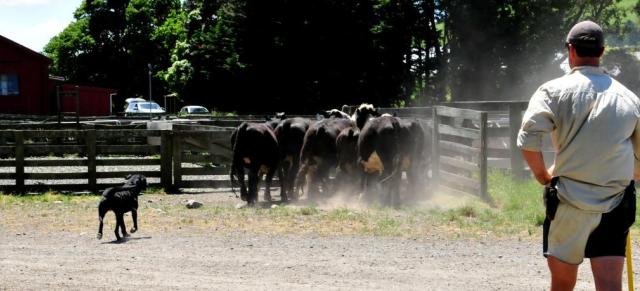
[(366, 152)]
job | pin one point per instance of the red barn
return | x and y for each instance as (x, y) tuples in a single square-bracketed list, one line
[(25, 86), (24, 80)]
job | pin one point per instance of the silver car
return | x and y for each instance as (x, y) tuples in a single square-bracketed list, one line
[(145, 107)]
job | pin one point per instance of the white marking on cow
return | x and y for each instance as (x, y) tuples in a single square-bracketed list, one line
[(289, 159), (406, 163), (373, 164), (263, 169)]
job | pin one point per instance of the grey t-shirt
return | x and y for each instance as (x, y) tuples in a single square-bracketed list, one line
[(594, 123)]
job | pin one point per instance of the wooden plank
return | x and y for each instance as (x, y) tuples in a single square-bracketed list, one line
[(435, 170), (458, 163), (56, 163), (216, 159), (70, 133), (7, 176), (483, 158), (459, 148), (205, 134), (166, 159), (45, 150), (128, 162), (176, 146), (91, 159), (121, 174), (205, 171), (19, 158), (56, 176), (453, 179), (9, 163), (128, 149), (204, 184), (64, 187), (126, 133), (499, 153), (7, 150), (515, 121), (459, 113), (459, 131)]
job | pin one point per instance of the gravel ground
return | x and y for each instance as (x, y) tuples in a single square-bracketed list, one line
[(36, 257)]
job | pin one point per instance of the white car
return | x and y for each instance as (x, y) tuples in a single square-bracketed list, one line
[(193, 109), (143, 107)]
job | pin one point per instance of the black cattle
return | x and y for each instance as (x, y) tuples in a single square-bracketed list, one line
[(414, 154), (363, 113), (290, 135), (273, 121), (379, 153), (349, 174), (319, 154), (254, 147), (120, 200), (334, 113)]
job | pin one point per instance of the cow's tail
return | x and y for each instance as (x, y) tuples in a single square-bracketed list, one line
[(235, 160)]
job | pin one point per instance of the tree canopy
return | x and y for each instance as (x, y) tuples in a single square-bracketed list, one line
[(299, 56)]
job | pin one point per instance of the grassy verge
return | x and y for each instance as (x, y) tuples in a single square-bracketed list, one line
[(518, 214)]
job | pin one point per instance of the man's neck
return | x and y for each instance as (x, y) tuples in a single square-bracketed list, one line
[(592, 62)]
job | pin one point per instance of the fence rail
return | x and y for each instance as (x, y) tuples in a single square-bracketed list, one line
[(196, 153), (460, 150)]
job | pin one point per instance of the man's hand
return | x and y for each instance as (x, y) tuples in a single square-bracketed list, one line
[(535, 161)]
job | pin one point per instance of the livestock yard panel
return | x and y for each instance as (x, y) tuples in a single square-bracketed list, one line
[(460, 150), (201, 156), (77, 160)]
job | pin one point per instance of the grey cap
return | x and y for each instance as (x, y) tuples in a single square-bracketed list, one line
[(586, 34)]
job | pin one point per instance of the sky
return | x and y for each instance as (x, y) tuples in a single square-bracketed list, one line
[(32, 23)]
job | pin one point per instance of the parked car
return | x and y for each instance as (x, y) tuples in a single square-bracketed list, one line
[(144, 107), (193, 110), (128, 101)]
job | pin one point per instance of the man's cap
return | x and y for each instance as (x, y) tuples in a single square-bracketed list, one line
[(586, 34)]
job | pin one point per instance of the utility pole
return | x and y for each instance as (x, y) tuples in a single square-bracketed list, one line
[(150, 97)]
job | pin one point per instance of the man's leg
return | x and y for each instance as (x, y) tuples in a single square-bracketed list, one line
[(563, 275), (607, 272)]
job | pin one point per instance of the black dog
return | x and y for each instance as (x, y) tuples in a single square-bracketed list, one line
[(122, 199)]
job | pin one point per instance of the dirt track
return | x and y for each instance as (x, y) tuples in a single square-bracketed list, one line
[(33, 258)]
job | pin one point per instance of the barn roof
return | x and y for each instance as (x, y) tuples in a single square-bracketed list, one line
[(10, 43)]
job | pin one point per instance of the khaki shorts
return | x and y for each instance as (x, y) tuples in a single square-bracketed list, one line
[(574, 234)]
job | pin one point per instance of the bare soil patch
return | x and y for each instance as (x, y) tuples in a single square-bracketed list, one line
[(52, 245)]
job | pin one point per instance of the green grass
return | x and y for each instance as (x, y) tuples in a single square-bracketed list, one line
[(518, 212)]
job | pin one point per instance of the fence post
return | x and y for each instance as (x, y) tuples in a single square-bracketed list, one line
[(515, 121), (484, 116), (19, 155), (177, 159), (166, 159), (90, 140), (435, 146)]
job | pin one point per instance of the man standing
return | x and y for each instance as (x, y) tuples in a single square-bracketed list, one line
[(594, 123)]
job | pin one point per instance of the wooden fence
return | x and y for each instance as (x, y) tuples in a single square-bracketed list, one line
[(460, 150), (197, 154)]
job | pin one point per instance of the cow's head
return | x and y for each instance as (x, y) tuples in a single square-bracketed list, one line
[(363, 113)]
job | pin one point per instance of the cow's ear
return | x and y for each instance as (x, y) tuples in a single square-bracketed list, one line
[(128, 177)]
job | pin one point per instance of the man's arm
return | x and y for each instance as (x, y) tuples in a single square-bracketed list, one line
[(535, 161)]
